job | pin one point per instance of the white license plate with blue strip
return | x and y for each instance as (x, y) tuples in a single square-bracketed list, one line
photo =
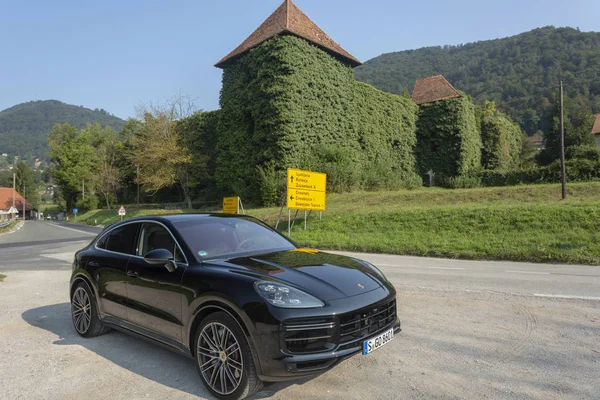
[(378, 341)]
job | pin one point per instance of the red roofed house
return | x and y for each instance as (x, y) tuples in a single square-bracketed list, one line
[(6, 202), (288, 19), (432, 89), (596, 131)]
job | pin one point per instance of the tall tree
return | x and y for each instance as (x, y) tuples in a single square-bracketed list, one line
[(26, 183), (74, 158), (159, 149), (578, 130)]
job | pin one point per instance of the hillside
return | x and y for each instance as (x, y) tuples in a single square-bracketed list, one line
[(520, 73), (24, 128)]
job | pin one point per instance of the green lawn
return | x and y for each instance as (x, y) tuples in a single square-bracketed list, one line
[(521, 223)]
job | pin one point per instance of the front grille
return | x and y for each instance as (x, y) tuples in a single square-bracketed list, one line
[(347, 331), (359, 326), (309, 336)]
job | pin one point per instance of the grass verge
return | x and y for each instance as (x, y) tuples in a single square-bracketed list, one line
[(2, 277), (522, 223), (9, 227)]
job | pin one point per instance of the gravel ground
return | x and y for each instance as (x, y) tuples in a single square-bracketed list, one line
[(455, 345)]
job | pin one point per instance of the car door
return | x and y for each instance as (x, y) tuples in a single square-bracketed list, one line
[(155, 294), (107, 263)]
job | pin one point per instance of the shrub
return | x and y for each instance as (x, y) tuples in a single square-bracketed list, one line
[(584, 152), (343, 172), (271, 183)]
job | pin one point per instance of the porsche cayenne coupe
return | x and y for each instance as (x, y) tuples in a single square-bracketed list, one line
[(244, 301)]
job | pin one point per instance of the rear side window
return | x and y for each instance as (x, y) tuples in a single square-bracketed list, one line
[(120, 240)]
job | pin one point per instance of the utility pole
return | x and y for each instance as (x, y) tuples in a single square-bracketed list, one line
[(562, 143), (83, 189), (14, 187), (23, 201)]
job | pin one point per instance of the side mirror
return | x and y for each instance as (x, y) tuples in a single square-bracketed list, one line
[(161, 256)]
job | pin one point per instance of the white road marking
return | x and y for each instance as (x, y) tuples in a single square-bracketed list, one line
[(530, 272), (413, 266), (560, 296), (71, 229), (66, 256)]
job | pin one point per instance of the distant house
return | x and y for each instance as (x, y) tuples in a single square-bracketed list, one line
[(432, 89), (6, 202), (596, 131), (536, 141)]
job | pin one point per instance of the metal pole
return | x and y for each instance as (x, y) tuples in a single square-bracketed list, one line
[(14, 187), (23, 201), (289, 222), (83, 189), (304, 219), (562, 144)]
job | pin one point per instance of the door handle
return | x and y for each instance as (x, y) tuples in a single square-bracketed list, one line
[(93, 264), (132, 274)]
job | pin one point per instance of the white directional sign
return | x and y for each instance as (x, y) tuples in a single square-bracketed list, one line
[(122, 211)]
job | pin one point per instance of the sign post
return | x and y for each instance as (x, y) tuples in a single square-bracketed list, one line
[(75, 212), (122, 212), (306, 190), (231, 205)]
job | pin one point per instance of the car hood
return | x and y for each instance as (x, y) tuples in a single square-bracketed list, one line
[(325, 276)]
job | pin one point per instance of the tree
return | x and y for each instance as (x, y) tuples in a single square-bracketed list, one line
[(26, 184), (159, 149), (74, 158), (577, 126), (106, 177)]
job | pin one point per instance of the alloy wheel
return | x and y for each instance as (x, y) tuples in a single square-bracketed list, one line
[(81, 310), (220, 358)]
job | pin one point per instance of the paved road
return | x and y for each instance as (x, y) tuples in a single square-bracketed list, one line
[(43, 245), (470, 330)]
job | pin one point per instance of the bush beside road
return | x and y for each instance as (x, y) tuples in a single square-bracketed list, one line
[(520, 223)]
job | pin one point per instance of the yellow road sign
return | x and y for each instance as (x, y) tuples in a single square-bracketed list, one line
[(306, 190), (231, 205)]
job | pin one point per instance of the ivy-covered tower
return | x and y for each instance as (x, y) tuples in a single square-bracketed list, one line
[(289, 99)]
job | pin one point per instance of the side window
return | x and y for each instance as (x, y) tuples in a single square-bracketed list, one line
[(101, 244), (122, 239), (155, 236)]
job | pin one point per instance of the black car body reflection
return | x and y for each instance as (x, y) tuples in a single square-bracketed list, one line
[(246, 302)]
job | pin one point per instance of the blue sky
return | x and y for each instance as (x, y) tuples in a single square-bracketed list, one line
[(117, 55)]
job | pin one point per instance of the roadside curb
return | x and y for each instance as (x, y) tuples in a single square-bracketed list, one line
[(14, 229)]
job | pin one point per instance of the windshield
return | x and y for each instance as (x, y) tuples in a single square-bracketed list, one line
[(219, 237)]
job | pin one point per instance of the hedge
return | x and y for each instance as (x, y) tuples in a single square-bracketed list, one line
[(577, 171)]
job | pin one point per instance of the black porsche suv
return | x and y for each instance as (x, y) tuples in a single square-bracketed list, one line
[(244, 301)]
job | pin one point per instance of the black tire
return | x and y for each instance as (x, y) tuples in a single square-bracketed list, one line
[(241, 360), (84, 312)]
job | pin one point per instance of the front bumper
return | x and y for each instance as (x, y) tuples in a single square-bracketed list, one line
[(299, 347)]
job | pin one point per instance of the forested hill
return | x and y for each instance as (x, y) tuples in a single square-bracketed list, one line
[(520, 73), (24, 128)]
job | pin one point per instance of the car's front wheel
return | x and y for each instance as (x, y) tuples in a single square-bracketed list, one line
[(84, 313), (224, 358)]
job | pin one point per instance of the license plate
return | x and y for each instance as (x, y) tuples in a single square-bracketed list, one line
[(373, 344)]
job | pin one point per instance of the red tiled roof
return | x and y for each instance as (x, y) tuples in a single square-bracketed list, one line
[(6, 200), (596, 128), (288, 18), (432, 89)]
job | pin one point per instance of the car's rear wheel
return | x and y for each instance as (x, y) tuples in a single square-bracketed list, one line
[(84, 313), (224, 358)]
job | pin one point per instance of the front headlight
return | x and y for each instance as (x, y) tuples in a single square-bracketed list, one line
[(283, 296)]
